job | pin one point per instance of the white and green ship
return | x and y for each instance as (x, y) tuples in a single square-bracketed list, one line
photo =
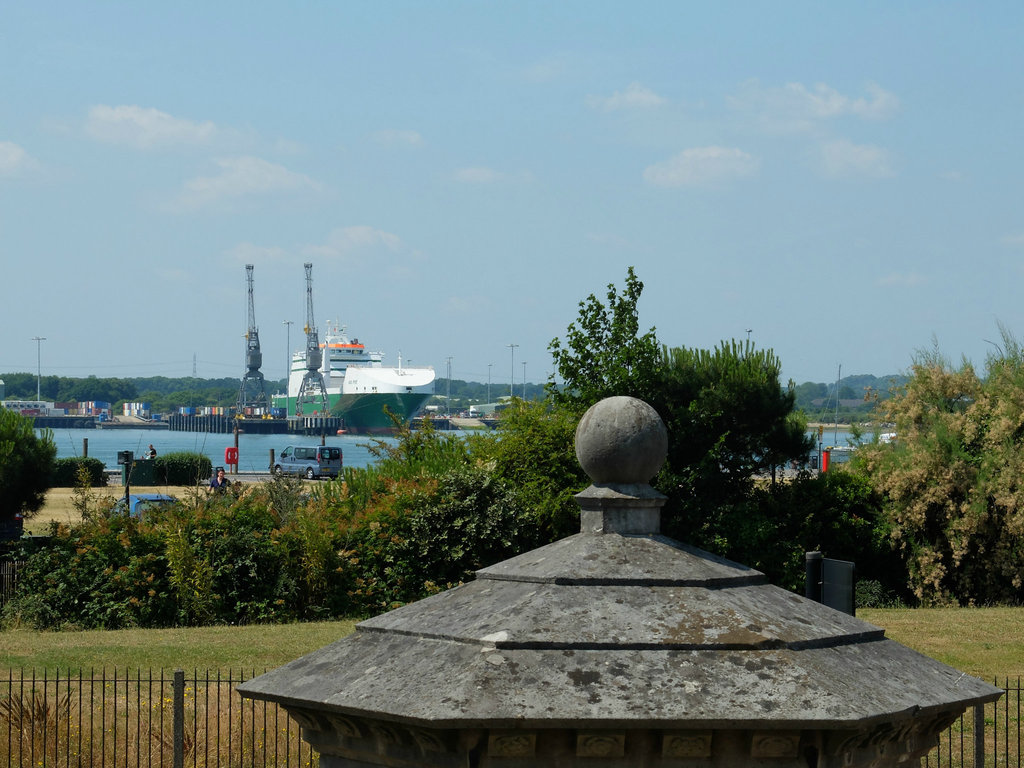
[(359, 386)]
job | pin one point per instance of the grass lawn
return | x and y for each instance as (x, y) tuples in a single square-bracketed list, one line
[(985, 642), (258, 647), (59, 507)]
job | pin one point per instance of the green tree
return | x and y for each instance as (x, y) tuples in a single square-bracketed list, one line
[(26, 466), (951, 481), (603, 353), (534, 452), (729, 422)]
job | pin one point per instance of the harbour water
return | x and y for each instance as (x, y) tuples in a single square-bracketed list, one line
[(253, 450)]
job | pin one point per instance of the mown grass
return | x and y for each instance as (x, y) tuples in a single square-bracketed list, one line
[(59, 506), (256, 647), (984, 642)]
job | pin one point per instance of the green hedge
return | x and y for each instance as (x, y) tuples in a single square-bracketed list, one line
[(65, 472), (183, 468)]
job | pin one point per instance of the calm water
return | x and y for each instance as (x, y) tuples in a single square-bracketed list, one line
[(253, 450)]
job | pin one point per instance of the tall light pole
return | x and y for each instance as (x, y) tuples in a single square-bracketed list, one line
[(489, 383), (448, 398), (524, 380), (512, 378), (288, 367), (39, 343)]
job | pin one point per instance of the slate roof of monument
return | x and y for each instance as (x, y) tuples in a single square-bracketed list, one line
[(611, 630)]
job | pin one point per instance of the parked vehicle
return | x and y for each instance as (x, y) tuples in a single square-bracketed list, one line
[(309, 461), (13, 528), (139, 503)]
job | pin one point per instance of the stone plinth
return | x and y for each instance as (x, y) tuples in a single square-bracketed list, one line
[(618, 646)]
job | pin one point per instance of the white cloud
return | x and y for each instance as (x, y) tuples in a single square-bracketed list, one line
[(249, 253), (467, 305), (701, 165), (345, 242), (145, 128), (242, 177), (900, 280), (843, 158), (796, 108), (549, 69), (477, 175), (395, 137), (14, 160), (608, 239), (635, 96), (1014, 241), (484, 175)]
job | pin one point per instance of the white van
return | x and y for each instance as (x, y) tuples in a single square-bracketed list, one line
[(310, 461)]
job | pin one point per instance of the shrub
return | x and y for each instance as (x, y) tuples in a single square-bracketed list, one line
[(182, 468), (26, 464), (423, 536), (65, 472)]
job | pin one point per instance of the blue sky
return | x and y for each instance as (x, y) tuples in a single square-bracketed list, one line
[(844, 180)]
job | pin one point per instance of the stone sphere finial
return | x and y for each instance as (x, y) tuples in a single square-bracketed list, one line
[(621, 440)]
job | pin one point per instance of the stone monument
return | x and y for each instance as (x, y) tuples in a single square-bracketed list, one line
[(618, 646)]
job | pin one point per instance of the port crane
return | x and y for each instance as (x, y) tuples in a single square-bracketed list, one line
[(312, 390), (252, 395)]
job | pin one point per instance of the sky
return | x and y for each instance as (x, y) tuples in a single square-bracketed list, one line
[(838, 182)]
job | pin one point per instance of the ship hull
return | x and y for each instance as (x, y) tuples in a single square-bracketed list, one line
[(364, 413)]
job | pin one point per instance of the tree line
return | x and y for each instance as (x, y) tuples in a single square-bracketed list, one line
[(856, 395), (933, 517)]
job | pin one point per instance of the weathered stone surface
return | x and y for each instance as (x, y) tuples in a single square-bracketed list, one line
[(621, 440), (619, 646), (648, 632)]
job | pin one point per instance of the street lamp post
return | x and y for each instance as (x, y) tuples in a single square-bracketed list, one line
[(288, 367), (512, 378), (39, 342), (448, 398)]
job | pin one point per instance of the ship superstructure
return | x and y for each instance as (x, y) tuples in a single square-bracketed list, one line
[(358, 385)]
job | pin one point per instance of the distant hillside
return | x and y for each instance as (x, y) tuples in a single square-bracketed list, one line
[(856, 397)]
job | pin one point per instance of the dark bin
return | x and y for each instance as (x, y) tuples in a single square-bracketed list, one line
[(143, 472)]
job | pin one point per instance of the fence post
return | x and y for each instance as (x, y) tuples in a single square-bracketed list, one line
[(979, 736), (178, 689)]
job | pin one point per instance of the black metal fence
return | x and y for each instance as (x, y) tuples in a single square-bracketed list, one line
[(984, 736), (134, 719), (9, 578)]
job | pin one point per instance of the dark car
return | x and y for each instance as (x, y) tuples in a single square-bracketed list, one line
[(12, 528)]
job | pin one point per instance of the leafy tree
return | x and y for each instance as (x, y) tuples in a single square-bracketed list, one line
[(952, 480), (603, 353), (26, 465), (534, 451), (728, 417)]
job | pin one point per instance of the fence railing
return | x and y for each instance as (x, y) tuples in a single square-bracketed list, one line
[(135, 719), (9, 578), (125, 719), (987, 736)]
